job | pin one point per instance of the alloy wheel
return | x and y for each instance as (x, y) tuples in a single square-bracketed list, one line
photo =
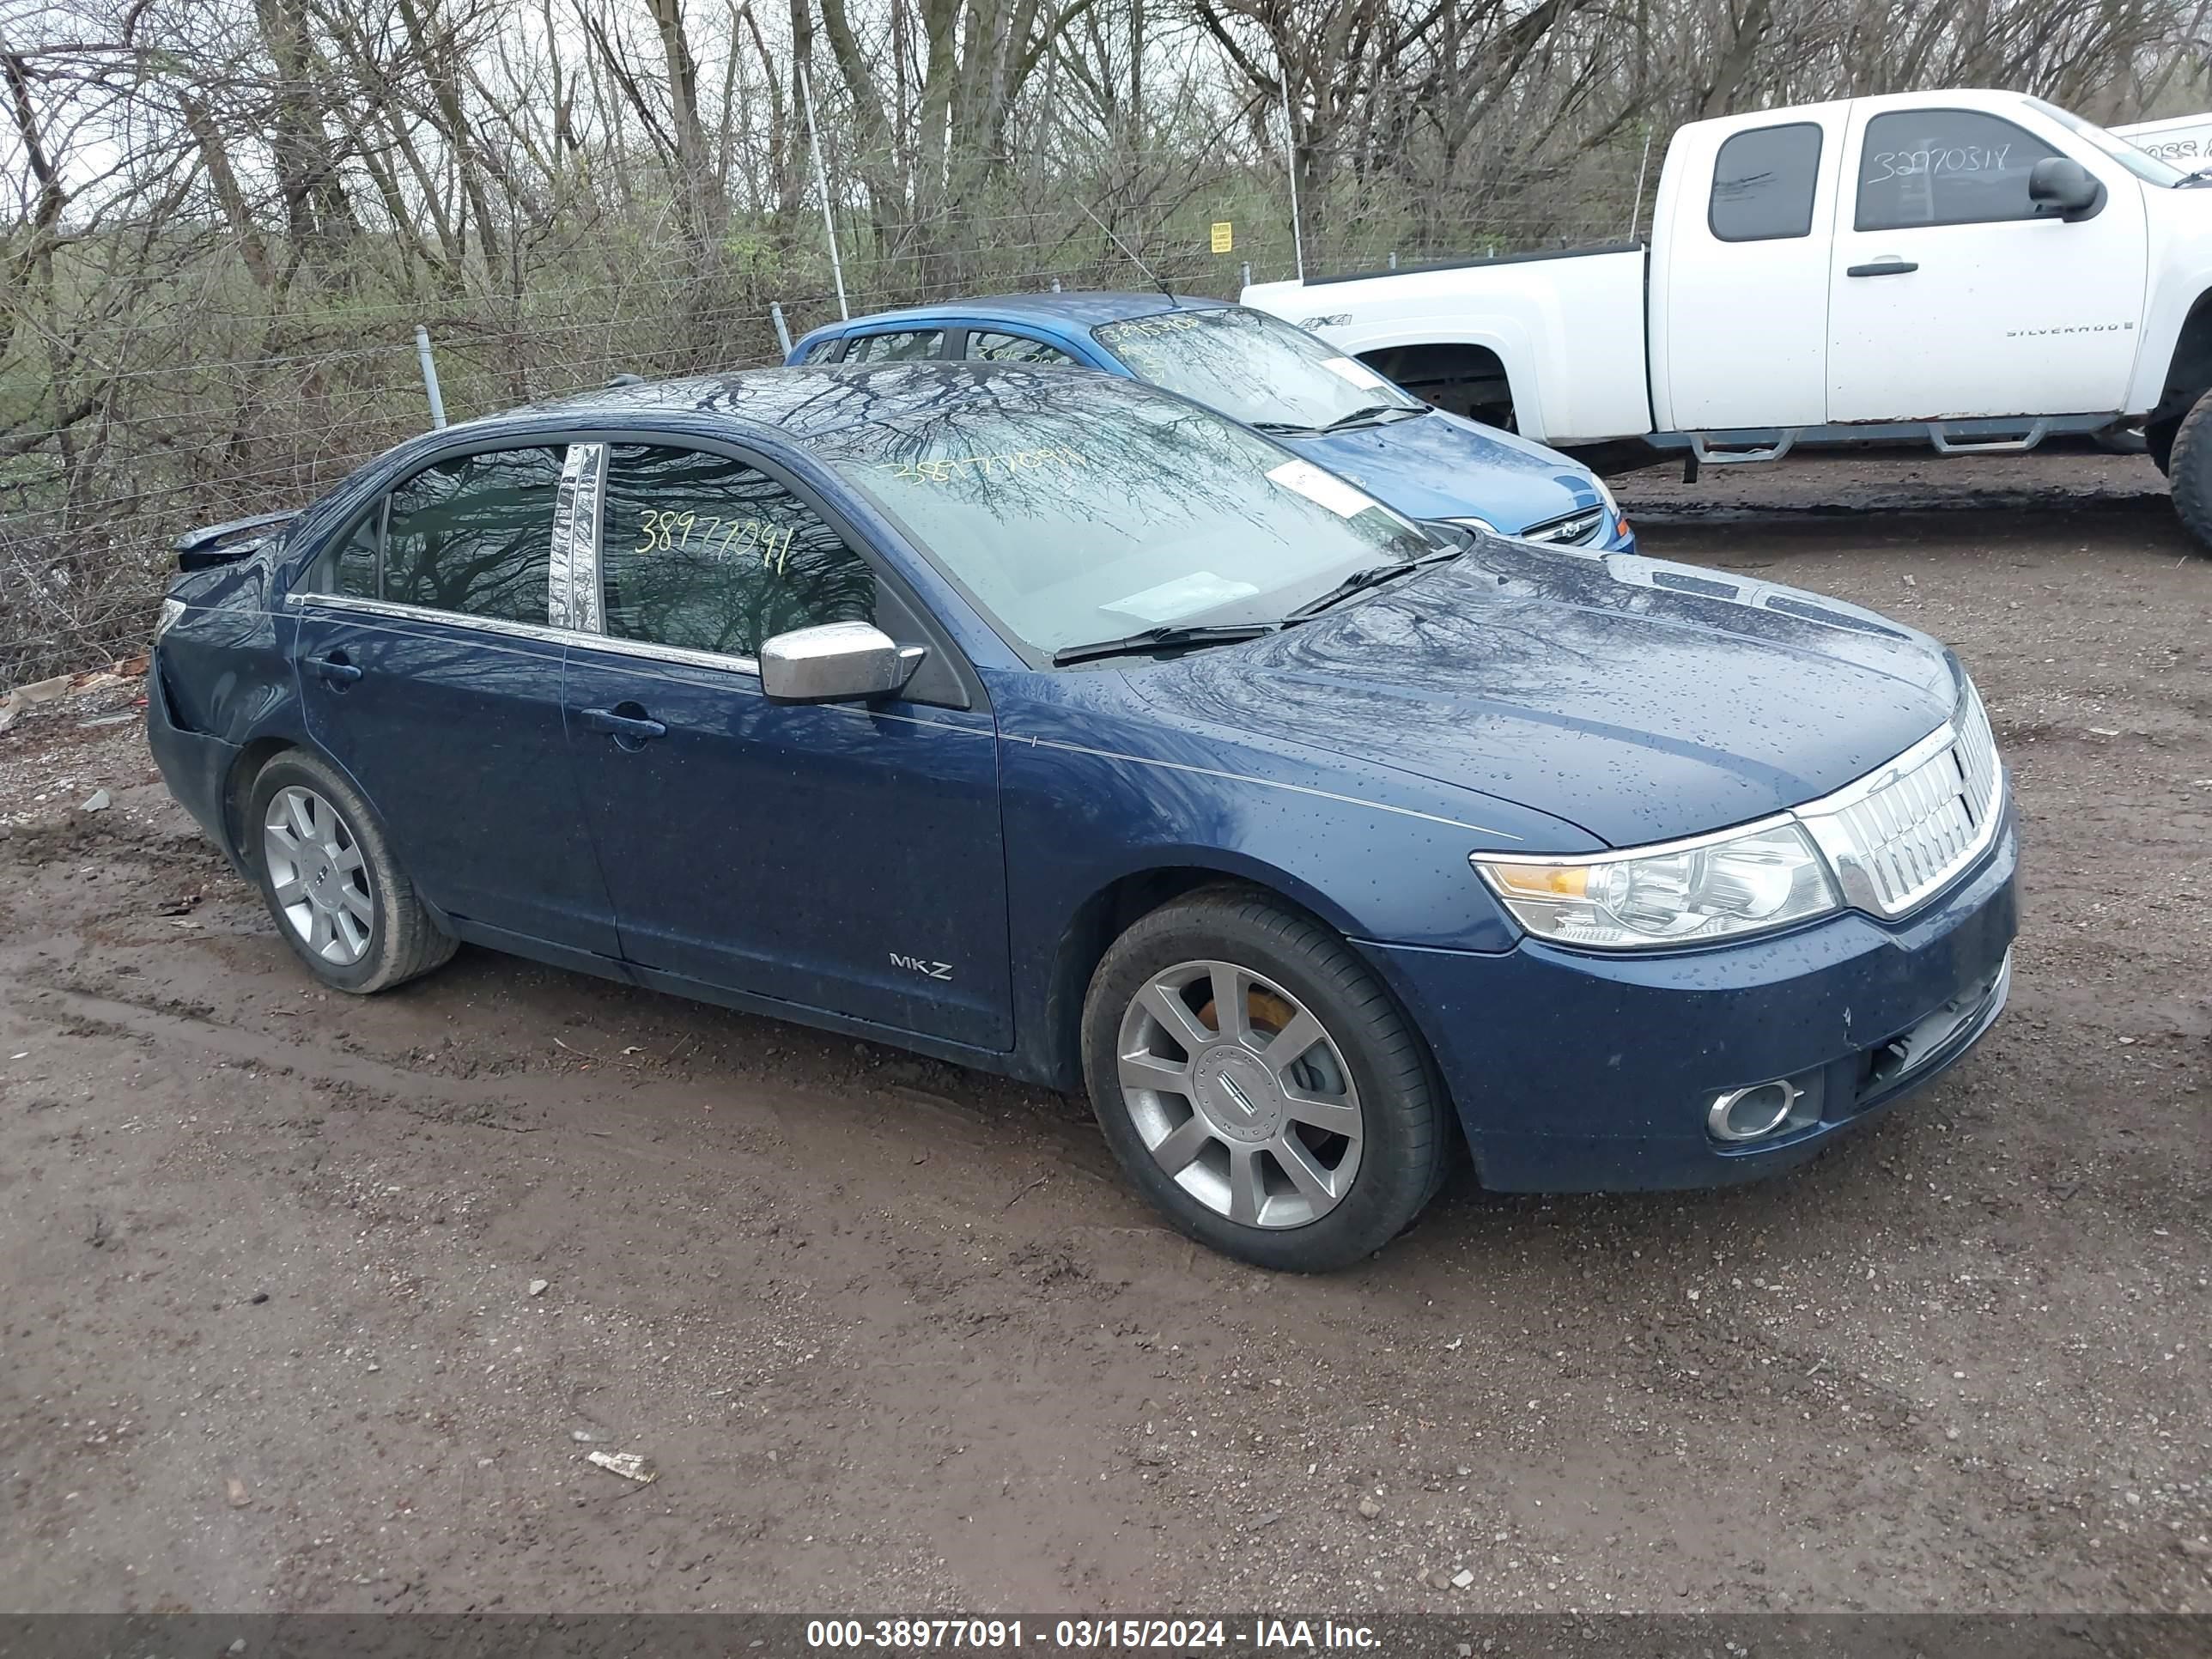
[(318, 874), (1241, 1095)]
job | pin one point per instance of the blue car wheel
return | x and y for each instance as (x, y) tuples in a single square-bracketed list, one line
[(332, 885), (1259, 1085)]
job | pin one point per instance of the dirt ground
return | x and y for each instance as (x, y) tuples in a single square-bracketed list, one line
[(896, 1337)]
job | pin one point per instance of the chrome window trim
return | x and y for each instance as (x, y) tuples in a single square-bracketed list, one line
[(653, 651), (572, 598), (398, 612)]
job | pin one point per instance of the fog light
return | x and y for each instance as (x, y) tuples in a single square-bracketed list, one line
[(1749, 1114)]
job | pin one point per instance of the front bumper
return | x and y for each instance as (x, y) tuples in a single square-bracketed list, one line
[(1575, 1071)]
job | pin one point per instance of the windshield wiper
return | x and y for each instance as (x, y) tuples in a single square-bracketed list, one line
[(1166, 636), (1359, 416), (1359, 582), (1372, 412)]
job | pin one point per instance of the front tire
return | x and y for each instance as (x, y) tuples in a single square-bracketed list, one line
[(1259, 1086), (332, 885), (2190, 470)]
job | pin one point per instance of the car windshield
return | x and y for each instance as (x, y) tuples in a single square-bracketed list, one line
[(2142, 163), (1251, 367), (1078, 508)]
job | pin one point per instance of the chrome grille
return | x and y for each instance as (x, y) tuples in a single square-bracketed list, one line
[(1585, 525), (1901, 834)]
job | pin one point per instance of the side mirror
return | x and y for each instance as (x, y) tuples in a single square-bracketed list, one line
[(836, 662), (2063, 188)]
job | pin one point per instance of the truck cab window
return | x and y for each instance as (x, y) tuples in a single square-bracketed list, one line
[(1764, 181), (1945, 167)]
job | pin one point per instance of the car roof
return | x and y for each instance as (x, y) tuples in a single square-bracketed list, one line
[(800, 402), (1076, 309)]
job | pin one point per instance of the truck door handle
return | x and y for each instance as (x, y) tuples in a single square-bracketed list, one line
[(629, 729), (334, 668), (1883, 268)]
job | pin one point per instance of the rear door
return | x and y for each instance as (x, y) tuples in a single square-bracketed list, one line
[(430, 670), (1949, 296), (845, 857), (1743, 298)]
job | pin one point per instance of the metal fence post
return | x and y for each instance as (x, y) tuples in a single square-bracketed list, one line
[(429, 375), (1248, 273), (782, 332), (822, 184), (1291, 158)]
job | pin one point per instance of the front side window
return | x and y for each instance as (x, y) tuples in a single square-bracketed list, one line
[(1254, 368), (474, 535), (1945, 167), (355, 571), (1075, 508), (902, 347), (1764, 181), (987, 346), (710, 554)]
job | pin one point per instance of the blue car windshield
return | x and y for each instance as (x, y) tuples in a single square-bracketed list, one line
[(1253, 368), (1074, 508)]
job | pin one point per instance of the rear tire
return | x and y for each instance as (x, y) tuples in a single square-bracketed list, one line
[(2190, 469), (1302, 1158), (329, 880)]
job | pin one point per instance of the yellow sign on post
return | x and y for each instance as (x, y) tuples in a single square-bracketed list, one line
[(1224, 235)]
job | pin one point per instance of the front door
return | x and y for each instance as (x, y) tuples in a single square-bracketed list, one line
[(842, 857), (1949, 297), (429, 671)]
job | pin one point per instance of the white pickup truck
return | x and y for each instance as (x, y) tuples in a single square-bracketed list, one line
[(1973, 270)]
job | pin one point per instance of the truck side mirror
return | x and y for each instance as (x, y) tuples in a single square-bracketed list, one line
[(2060, 188)]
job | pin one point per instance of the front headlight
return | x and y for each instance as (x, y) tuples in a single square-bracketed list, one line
[(1616, 520), (1688, 892)]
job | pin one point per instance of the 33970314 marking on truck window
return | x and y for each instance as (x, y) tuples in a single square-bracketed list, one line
[(1960, 158)]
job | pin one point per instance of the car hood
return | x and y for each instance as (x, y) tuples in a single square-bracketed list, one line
[(1436, 465), (1639, 700)]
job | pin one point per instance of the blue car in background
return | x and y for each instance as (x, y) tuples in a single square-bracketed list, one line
[(1054, 725), (1276, 379)]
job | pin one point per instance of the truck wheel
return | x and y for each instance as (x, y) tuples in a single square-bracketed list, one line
[(2190, 467), (1258, 1084)]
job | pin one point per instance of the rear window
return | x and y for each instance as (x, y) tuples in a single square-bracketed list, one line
[(904, 346), (1764, 182), (474, 535)]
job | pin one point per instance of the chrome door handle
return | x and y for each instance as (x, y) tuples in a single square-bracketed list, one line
[(636, 728)]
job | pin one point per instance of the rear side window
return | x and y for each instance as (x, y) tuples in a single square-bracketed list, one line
[(1764, 181), (474, 535), (706, 553), (992, 348), (1945, 167), (899, 348)]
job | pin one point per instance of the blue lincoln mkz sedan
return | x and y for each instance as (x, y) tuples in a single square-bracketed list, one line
[(1052, 724), (1277, 379)]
